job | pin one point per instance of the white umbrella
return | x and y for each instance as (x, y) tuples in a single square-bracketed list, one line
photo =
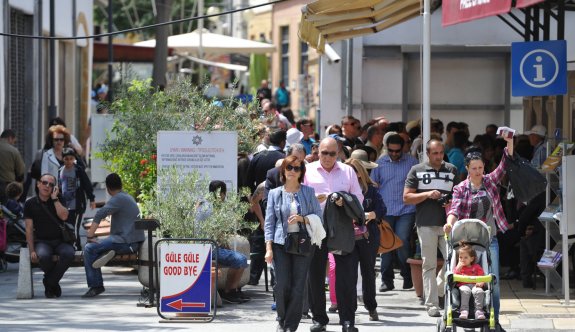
[(212, 43)]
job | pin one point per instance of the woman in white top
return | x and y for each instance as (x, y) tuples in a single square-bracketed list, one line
[(58, 137)]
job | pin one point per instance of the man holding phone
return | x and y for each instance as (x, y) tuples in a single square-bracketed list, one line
[(42, 214)]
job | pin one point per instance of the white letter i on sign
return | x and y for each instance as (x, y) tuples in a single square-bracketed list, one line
[(538, 70)]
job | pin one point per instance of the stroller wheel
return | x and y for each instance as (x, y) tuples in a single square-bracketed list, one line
[(441, 325)]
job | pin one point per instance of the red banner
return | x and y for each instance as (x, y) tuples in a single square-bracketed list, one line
[(526, 3), (458, 11)]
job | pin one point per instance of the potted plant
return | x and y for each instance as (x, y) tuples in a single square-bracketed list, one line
[(139, 113)]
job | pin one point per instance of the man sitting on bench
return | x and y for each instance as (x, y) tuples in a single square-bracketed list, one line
[(124, 237)]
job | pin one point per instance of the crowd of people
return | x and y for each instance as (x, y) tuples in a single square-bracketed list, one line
[(378, 164), (336, 190)]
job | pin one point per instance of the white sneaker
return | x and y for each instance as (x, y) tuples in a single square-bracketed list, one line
[(433, 312), (104, 259)]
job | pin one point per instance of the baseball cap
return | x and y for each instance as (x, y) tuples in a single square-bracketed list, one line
[(68, 152), (337, 137), (293, 136), (537, 130)]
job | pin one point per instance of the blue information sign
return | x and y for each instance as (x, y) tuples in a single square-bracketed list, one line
[(539, 68)]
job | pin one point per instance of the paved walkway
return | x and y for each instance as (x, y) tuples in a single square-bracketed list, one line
[(117, 310), (525, 309)]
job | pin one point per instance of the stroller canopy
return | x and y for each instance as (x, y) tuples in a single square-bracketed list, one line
[(470, 230)]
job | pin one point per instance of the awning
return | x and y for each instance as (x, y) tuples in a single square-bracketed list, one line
[(228, 66), (124, 53), (459, 11), (526, 3), (212, 43), (332, 20)]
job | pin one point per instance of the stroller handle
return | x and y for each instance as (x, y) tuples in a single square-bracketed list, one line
[(472, 279)]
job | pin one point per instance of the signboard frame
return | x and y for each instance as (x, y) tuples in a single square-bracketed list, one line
[(539, 68), (187, 317)]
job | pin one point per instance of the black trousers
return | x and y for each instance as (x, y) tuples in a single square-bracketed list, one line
[(257, 254), (345, 285), (366, 258), (291, 277), (75, 220), (317, 284)]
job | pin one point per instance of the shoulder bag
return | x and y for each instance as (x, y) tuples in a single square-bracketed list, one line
[(296, 243), (68, 235), (388, 240), (526, 181)]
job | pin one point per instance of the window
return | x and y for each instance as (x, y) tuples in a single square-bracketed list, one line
[(303, 60), (284, 37)]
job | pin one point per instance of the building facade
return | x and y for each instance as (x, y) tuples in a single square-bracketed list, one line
[(470, 77), (25, 69)]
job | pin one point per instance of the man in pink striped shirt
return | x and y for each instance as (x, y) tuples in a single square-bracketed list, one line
[(326, 176)]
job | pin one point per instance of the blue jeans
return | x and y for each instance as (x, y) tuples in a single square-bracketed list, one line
[(231, 259), (494, 251), (402, 226), (54, 271), (94, 250)]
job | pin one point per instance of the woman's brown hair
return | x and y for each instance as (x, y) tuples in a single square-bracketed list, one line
[(57, 129), (287, 161)]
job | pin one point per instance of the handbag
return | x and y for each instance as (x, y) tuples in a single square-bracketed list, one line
[(68, 234), (388, 240), (298, 243), (525, 180)]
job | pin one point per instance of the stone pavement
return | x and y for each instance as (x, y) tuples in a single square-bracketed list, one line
[(525, 309), (116, 309)]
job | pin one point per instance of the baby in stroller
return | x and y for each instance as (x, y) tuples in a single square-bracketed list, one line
[(468, 272), (467, 266)]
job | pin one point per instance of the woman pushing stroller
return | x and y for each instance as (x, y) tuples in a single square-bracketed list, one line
[(478, 197)]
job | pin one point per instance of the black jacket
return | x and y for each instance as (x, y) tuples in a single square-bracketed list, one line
[(339, 221), (260, 164)]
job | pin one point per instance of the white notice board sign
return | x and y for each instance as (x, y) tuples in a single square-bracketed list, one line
[(213, 154)]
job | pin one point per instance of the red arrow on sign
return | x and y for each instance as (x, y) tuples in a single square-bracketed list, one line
[(179, 304)]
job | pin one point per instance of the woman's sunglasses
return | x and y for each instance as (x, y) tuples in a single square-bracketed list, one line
[(293, 168), (48, 183)]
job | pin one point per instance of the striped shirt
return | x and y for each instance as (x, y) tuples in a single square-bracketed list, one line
[(390, 177)]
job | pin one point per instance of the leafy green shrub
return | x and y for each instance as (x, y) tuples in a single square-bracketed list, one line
[(187, 210), (139, 113)]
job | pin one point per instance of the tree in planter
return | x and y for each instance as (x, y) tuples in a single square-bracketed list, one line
[(140, 112), (183, 198)]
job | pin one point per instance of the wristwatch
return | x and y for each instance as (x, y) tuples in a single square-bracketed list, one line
[(55, 199)]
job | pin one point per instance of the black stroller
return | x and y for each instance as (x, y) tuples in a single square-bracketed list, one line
[(475, 233), (15, 237)]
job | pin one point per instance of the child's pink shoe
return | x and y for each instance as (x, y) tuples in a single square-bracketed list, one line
[(463, 314), (479, 314)]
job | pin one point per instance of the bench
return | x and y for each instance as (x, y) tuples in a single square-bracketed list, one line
[(25, 280)]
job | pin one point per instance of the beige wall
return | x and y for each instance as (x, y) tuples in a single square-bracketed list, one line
[(260, 23), (289, 14)]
